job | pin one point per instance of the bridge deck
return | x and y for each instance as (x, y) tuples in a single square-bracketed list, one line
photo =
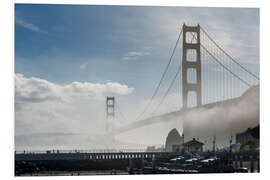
[(171, 115)]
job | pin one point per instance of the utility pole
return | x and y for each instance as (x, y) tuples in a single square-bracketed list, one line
[(231, 159), (183, 148), (183, 138), (231, 144), (214, 145)]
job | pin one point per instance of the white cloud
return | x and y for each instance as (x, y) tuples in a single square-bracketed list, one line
[(134, 55), (237, 36), (27, 25), (38, 90), (45, 107)]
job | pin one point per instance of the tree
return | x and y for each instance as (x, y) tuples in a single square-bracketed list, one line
[(250, 144)]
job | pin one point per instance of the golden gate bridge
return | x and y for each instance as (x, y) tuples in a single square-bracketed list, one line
[(200, 57), (207, 77), (205, 69)]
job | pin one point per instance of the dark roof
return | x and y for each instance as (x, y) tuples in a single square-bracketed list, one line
[(193, 141)]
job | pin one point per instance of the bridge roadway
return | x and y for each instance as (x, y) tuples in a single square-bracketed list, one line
[(172, 115), (182, 113)]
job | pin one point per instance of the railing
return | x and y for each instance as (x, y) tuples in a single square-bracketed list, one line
[(85, 151)]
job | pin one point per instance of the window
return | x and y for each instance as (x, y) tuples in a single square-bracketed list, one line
[(191, 37), (191, 55), (192, 99)]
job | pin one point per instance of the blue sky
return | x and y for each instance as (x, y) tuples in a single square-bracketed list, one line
[(62, 44), (73, 36), (64, 37)]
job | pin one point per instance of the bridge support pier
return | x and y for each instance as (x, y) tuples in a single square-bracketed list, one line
[(258, 165), (251, 164), (236, 164), (241, 161), (130, 166), (153, 164)]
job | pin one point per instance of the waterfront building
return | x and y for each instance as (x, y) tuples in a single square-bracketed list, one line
[(193, 146)]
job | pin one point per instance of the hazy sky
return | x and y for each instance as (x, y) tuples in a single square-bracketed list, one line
[(69, 58)]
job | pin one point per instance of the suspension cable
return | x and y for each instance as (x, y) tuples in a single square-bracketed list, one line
[(249, 85), (168, 90), (162, 77), (230, 56), (120, 112)]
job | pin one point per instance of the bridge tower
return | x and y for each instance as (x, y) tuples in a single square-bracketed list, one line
[(191, 45), (110, 111)]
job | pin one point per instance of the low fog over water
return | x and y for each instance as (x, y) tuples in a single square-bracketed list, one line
[(80, 123), (222, 120)]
